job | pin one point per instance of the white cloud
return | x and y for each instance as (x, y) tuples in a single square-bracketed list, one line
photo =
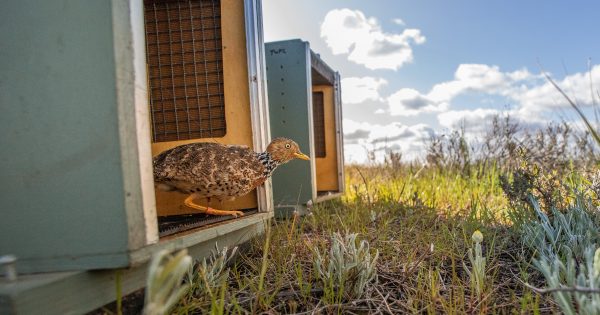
[(480, 78), (534, 99), (398, 21), (409, 102), (473, 121), (380, 111), (520, 75), (389, 133), (350, 32), (356, 153), (355, 132), (531, 94), (477, 121), (360, 137), (357, 90)]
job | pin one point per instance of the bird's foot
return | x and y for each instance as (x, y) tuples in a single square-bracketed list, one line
[(234, 213), (189, 201)]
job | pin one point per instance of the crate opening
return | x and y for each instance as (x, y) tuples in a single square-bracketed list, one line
[(325, 128), (198, 92)]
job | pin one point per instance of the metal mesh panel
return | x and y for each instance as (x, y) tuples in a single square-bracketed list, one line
[(185, 69), (173, 224), (319, 124)]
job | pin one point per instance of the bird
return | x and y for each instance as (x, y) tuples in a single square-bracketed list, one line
[(214, 170)]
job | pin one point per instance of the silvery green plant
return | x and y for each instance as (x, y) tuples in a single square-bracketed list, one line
[(478, 262), (594, 186), (164, 283), (373, 216), (574, 292), (566, 247), (348, 266), (206, 275), (568, 234)]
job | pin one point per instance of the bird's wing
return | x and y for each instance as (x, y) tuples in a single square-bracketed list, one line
[(235, 164), (219, 170), (180, 163), (239, 146)]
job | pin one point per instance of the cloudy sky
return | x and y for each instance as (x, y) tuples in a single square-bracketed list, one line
[(411, 69)]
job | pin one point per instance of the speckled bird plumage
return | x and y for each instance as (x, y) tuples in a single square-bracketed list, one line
[(220, 171)]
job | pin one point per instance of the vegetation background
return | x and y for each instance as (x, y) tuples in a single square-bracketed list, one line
[(508, 223)]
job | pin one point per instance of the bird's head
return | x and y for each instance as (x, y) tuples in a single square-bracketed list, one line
[(282, 150)]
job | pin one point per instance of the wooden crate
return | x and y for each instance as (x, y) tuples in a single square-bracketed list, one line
[(305, 105), (79, 203)]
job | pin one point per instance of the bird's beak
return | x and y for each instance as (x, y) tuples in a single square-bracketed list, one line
[(302, 156)]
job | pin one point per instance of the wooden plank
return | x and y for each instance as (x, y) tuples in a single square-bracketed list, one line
[(80, 292), (134, 131), (327, 168), (255, 50), (337, 103)]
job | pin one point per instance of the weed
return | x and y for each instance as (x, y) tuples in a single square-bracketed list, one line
[(565, 250), (164, 286), (576, 292), (346, 269), (477, 274), (205, 275)]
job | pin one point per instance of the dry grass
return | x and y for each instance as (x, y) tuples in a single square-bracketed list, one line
[(420, 221), (417, 221)]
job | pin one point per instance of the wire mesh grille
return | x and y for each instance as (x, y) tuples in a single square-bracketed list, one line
[(319, 124), (185, 69)]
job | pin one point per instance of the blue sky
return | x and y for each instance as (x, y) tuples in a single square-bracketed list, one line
[(414, 68)]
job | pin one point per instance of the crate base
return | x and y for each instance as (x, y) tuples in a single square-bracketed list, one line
[(83, 291)]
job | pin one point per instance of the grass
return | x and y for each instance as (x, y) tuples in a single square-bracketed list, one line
[(495, 234), (419, 222), (511, 227)]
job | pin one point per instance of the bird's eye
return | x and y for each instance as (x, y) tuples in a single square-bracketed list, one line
[(287, 146)]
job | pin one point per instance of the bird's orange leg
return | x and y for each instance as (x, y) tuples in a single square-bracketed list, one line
[(189, 201)]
